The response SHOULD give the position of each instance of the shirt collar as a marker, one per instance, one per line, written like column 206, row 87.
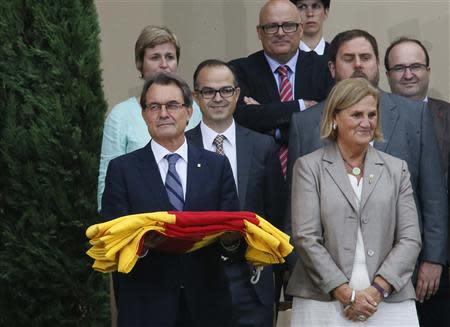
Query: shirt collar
column 209, row 134
column 275, row 64
column 319, row 49
column 160, row 152
column 425, row 99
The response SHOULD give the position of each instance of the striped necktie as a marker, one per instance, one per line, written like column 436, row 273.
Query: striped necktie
column 285, row 85
column 285, row 95
column 173, row 184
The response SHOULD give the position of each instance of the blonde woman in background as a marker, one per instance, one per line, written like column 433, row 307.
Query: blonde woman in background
column 157, row 49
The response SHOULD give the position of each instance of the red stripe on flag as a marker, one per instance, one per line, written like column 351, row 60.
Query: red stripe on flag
column 196, row 218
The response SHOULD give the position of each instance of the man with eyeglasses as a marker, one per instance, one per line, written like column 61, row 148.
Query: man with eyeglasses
column 257, row 174
column 170, row 174
column 407, row 64
column 408, row 70
column 277, row 81
column 407, row 128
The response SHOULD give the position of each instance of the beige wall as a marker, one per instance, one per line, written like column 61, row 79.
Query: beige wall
column 226, row 29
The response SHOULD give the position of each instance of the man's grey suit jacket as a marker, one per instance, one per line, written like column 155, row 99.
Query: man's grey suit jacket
column 440, row 110
column 408, row 133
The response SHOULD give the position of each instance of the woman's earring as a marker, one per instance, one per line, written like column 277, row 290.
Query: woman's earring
column 334, row 126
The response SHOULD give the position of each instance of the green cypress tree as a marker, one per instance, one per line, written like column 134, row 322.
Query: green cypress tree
column 52, row 108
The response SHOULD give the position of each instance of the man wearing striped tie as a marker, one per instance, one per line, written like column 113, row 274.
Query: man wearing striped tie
column 257, row 174
column 170, row 174
column 277, row 81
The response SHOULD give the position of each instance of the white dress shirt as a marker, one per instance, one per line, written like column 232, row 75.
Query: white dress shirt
column 159, row 152
column 229, row 144
column 319, row 49
column 181, row 166
column 292, row 63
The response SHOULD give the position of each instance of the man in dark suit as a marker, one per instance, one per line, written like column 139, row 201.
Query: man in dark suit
column 260, row 106
column 408, row 71
column 169, row 174
column 278, row 80
column 408, row 135
column 257, row 174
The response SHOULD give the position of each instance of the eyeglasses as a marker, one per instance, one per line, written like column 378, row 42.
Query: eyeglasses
column 314, row 7
column 209, row 93
column 287, row 27
column 413, row 68
column 171, row 106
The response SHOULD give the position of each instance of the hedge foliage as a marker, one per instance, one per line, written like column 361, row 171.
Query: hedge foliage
column 52, row 108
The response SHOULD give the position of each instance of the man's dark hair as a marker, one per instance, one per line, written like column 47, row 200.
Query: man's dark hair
column 325, row 3
column 401, row 40
column 165, row 78
column 349, row 35
column 213, row 63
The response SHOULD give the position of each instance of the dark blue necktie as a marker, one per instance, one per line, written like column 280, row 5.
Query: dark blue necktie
column 173, row 183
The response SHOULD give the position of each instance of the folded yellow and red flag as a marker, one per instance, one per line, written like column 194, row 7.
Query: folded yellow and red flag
column 116, row 244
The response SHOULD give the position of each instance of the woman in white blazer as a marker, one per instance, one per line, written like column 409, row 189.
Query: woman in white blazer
column 354, row 222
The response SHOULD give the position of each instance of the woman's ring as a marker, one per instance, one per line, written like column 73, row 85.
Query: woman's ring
column 361, row 317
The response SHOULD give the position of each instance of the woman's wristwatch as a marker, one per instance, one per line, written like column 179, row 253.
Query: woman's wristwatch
column 381, row 290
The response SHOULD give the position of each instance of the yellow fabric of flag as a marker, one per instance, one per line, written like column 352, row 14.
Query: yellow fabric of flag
column 116, row 244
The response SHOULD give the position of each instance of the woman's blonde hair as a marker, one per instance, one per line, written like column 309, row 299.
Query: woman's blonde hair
column 150, row 37
column 345, row 94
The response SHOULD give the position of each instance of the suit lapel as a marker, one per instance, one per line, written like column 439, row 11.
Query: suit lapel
column 195, row 168
column 303, row 68
column 389, row 117
column 373, row 169
column 436, row 108
column 268, row 79
column 195, row 136
column 338, row 173
column 149, row 170
column 440, row 120
column 244, row 150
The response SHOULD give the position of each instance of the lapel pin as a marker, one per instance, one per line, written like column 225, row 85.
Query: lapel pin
column 199, row 165
column 370, row 178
